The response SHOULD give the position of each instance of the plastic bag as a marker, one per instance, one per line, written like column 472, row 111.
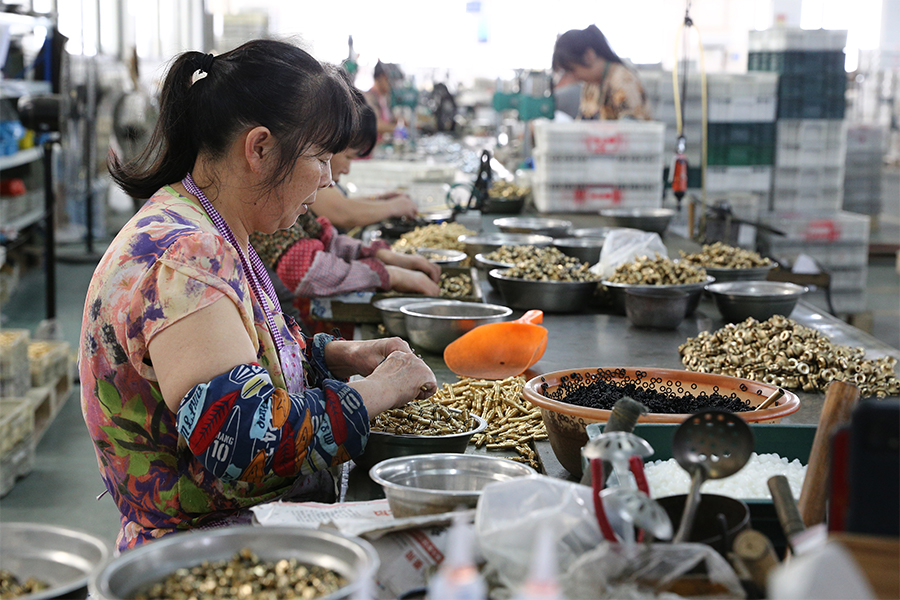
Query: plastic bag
column 624, row 245
column 511, row 514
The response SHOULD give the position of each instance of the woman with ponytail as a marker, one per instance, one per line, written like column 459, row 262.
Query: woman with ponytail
column 611, row 90
column 201, row 397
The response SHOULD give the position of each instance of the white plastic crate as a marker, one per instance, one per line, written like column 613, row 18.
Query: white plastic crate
column 48, row 361
column 598, row 169
column 810, row 156
column 744, row 205
column 818, row 200
column 591, row 138
column 755, row 179
column 16, row 422
column 743, row 109
column 552, row 197
column 779, row 39
column 829, row 254
column 373, row 175
column 839, row 226
column 848, row 278
column 17, row 462
column 807, row 178
column 13, row 351
column 799, row 133
column 865, row 137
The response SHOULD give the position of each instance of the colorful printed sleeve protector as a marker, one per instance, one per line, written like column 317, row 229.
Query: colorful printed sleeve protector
column 167, row 263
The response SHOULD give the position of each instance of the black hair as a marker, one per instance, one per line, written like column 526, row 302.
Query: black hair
column 269, row 83
column 366, row 135
column 571, row 46
column 379, row 70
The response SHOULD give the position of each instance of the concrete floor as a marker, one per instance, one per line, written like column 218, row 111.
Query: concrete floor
column 63, row 487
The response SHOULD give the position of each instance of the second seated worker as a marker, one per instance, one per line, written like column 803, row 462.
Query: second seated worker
column 612, row 90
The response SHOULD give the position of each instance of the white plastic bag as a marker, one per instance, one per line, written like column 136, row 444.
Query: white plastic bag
column 623, row 246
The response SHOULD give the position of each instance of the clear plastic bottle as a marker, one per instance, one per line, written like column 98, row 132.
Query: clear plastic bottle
column 458, row 577
column 542, row 582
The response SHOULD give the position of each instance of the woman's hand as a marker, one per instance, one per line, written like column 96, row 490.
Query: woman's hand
column 412, row 262
column 411, row 282
column 400, row 205
column 400, row 378
column 345, row 357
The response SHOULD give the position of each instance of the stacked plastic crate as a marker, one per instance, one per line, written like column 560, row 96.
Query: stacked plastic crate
column 810, row 157
column 741, row 110
column 862, row 177
column 586, row 166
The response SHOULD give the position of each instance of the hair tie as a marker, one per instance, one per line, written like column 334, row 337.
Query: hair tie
column 204, row 68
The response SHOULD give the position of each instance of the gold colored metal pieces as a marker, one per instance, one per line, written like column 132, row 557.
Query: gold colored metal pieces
column 723, row 256
column 657, row 271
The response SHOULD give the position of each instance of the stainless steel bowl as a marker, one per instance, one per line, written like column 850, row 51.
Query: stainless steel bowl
column 486, row 243
column 63, row 558
column 351, row 557
column 549, row 296
column 382, row 446
column 437, row 483
column 738, row 300
column 433, row 324
column 660, row 309
column 443, row 257
column 487, row 265
column 592, row 232
column 534, row 225
column 694, row 291
column 394, row 320
column 749, row 274
column 585, row 249
column 646, row 219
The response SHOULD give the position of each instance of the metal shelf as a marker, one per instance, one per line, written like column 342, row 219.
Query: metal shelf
column 23, row 221
column 22, row 157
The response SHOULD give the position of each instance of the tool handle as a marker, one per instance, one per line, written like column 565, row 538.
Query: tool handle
column 757, row 554
column 840, row 399
column 785, row 506
column 535, row 317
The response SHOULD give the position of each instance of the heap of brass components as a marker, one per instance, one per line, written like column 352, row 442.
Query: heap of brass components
column 723, row 256
column 456, row 286
column 657, row 271
column 549, row 264
column 245, row 576
column 440, row 235
column 512, row 423
column 780, row 351
column 424, row 417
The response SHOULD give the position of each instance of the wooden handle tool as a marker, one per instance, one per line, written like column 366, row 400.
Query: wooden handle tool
column 840, row 399
column 757, row 554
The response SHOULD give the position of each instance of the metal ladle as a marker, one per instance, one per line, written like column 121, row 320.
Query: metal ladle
column 711, row 444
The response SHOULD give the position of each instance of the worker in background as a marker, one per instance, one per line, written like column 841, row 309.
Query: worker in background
column 379, row 98
column 567, row 94
column 612, row 90
column 345, row 212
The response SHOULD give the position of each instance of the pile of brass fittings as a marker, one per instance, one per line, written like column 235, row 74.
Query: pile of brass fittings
column 512, row 424
column 549, row 264
column 245, row 576
column 456, row 286
column 511, row 255
column 507, row 190
column 440, row 235
column 782, row 352
column 657, row 271
column 723, row 256
column 11, row 587
column 424, row 417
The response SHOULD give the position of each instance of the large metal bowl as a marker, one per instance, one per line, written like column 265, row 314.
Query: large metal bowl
column 489, row 265
column 694, row 291
column 350, row 557
column 534, row 225
column 567, row 423
column 382, row 445
column 61, row 557
column 442, row 256
column 437, row 483
column 646, row 219
column 487, row 243
column 659, row 309
column 739, row 300
column 549, row 296
column 585, row 249
column 750, row 274
column 394, row 320
column 592, row 232
column 433, row 324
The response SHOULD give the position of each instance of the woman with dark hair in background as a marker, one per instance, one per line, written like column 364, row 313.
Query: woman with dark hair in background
column 612, row 90
column 201, row 397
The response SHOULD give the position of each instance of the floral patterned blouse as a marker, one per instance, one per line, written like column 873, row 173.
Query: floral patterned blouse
column 619, row 95
column 166, row 263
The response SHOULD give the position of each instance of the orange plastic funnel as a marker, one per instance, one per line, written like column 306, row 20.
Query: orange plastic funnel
column 498, row 350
